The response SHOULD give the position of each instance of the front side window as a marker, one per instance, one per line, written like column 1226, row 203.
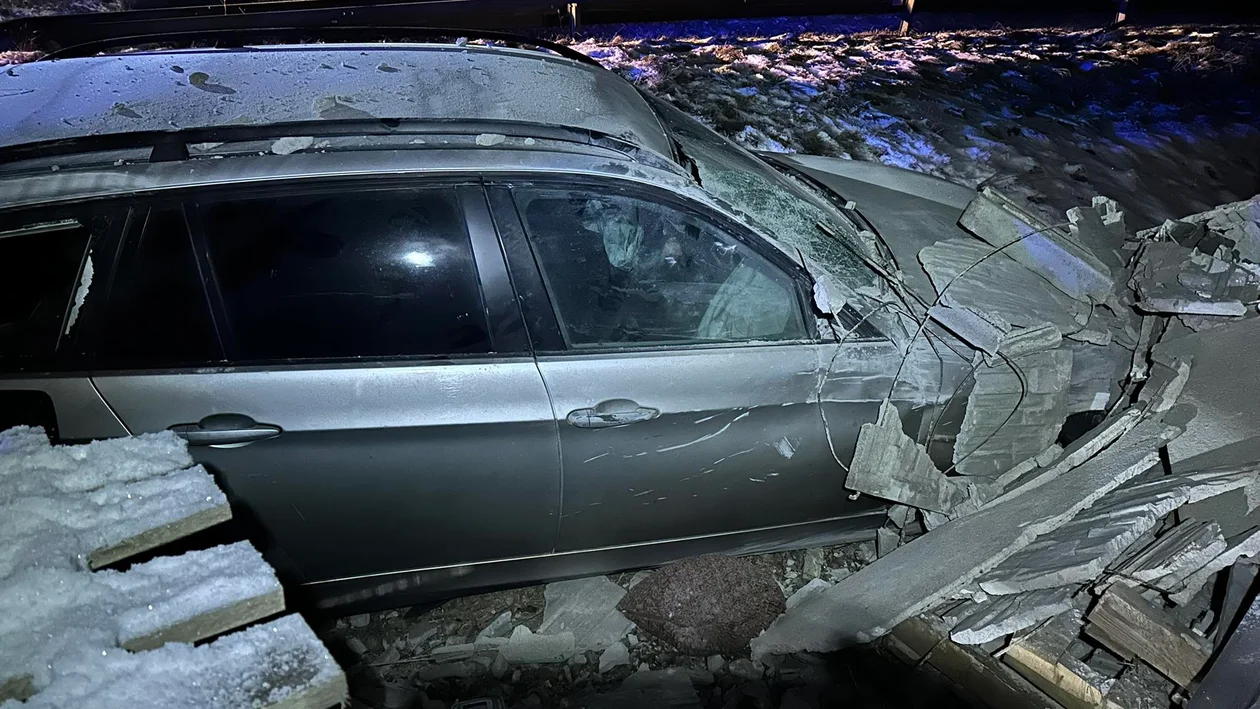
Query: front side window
column 625, row 271
column 42, row 266
column 781, row 207
column 372, row 274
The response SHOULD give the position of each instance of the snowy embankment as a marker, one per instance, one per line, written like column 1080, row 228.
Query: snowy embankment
column 74, row 636
column 1162, row 119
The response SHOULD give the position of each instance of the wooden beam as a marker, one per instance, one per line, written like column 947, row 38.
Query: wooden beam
column 1071, row 689
column 1131, row 626
column 1039, row 658
column 978, row 673
column 18, row 688
column 158, row 536
column 213, row 623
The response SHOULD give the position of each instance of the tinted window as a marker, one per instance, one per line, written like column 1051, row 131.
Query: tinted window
column 622, row 270
column 158, row 312
column 373, row 274
column 40, row 267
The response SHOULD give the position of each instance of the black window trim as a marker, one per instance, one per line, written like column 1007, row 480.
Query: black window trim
column 553, row 342
column 529, row 288
column 507, row 332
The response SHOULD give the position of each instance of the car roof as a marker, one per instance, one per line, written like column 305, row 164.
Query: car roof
column 208, row 88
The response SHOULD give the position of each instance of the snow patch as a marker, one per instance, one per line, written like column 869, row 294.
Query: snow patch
column 80, row 294
column 291, row 144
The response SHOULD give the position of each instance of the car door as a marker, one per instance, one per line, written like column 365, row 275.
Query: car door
column 355, row 371
column 683, row 366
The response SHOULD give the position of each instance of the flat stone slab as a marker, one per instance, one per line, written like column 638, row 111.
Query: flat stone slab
column 588, row 609
column 917, row 576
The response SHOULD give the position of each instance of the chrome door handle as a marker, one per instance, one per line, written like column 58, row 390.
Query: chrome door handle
column 225, row 430
column 615, row 412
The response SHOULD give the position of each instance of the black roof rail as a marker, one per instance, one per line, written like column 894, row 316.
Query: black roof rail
column 173, row 144
column 243, row 36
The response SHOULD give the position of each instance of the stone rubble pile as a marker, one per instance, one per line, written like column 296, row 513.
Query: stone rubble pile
column 1091, row 564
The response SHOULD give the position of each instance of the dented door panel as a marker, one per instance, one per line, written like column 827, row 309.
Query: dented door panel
column 739, row 442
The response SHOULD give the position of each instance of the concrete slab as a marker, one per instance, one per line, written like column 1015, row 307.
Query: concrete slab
column 1050, row 253
column 588, row 609
column 1000, row 286
column 1079, row 551
column 919, row 575
column 1014, row 411
column 999, row 617
column 889, row 465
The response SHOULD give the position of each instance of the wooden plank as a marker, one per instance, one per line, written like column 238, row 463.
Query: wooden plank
column 1062, row 684
column 1128, row 624
column 329, row 694
column 981, row 675
column 278, row 665
column 19, row 688
column 158, row 536
column 1038, row 657
column 213, row 623
column 167, row 599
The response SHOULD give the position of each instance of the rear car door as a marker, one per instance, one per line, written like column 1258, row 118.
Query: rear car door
column 682, row 362
column 355, row 370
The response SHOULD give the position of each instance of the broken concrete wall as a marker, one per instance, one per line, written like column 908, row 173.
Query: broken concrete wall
column 1081, row 550
column 1000, row 286
column 1015, row 410
column 889, row 465
column 1238, row 222
column 872, row 601
column 1097, row 374
column 1048, row 252
column 1171, row 279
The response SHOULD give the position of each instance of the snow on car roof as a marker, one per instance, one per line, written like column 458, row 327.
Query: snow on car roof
column 207, row 88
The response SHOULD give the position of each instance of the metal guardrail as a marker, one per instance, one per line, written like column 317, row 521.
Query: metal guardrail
column 189, row 17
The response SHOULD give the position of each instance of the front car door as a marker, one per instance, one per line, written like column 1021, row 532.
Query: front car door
column 686, row 372
column 355, row 370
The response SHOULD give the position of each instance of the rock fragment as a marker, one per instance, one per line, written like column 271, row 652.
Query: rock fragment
column 707, row 604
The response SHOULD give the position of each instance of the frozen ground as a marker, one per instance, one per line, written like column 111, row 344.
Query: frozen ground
column 1163, row 119
column 412, row 657
column 10, row 9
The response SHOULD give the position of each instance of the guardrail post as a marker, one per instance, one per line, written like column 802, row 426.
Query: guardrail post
column 906, row 16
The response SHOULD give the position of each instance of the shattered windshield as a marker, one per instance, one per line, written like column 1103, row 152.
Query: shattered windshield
column 785, row 210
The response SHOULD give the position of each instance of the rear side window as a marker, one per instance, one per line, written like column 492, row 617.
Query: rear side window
column 373, row 274
column 42, row 266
